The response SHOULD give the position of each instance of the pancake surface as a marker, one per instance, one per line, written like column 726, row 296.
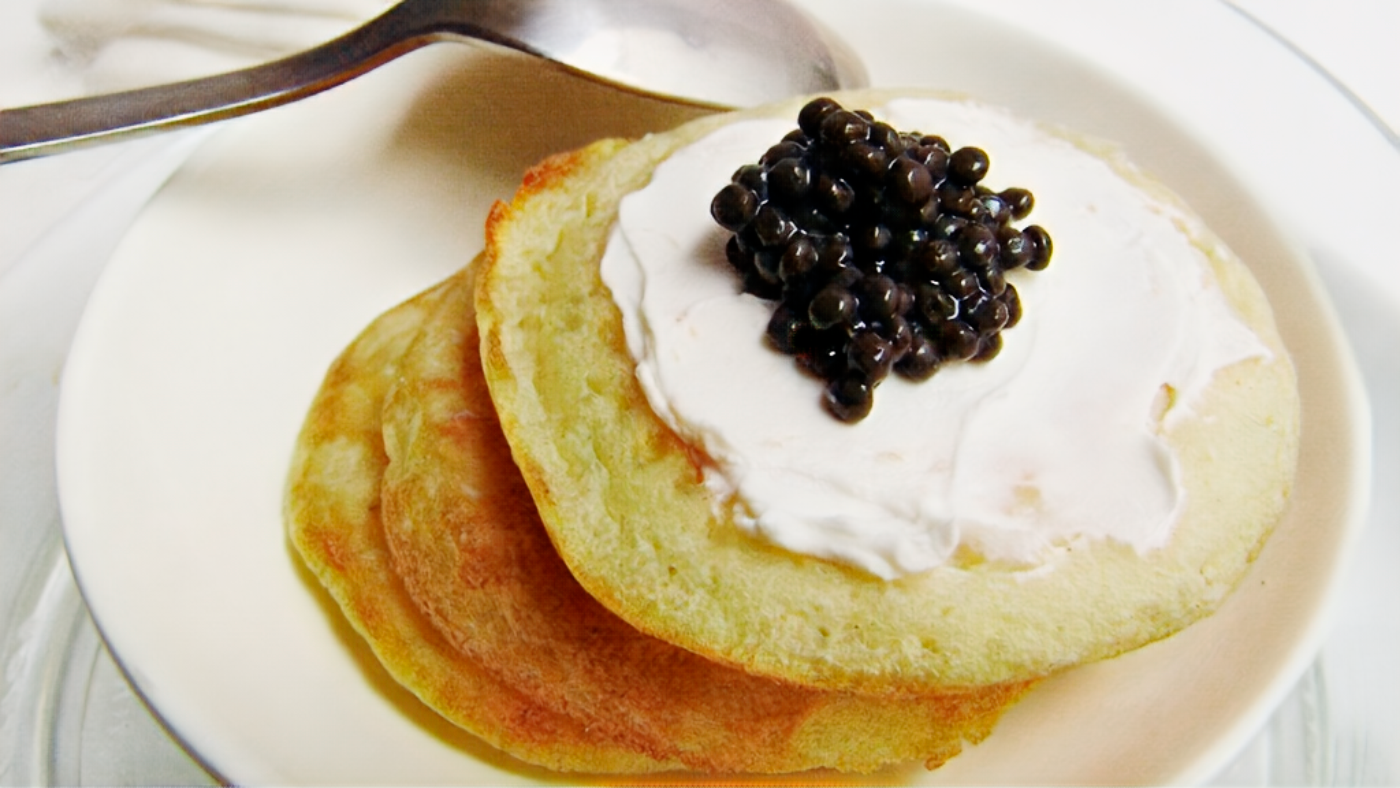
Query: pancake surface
column 468, row 543
column 332, row 515
column 622, row 498
column 520, row 655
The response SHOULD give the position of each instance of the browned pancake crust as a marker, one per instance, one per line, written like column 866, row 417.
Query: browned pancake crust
column 468, row 542
column 333, row 521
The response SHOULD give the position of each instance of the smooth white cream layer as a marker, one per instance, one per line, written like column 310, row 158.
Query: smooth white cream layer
column 1057, row 439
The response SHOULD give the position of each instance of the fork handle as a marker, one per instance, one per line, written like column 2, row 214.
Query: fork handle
column 45, row 129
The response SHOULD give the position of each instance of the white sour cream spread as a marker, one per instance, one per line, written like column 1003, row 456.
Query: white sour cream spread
column 1057, row 439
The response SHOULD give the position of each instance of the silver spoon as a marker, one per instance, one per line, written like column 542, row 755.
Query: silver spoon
column 715, row 53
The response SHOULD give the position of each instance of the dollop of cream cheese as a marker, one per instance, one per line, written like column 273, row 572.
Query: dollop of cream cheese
column 1059, row 438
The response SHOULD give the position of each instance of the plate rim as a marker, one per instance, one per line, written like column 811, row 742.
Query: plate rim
column 1303, row 656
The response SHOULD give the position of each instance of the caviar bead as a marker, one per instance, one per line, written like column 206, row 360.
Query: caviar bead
column 910, row 181
column 1019, row 201
column 978, row 245
column 904, row 299
column 937, row 258
column 874, row 238
column 850, row 397
column 766, row 263
column 738, row 256
column 871, row 354
column 789, row 181
column 958, row 340
column 785, row 329
column 883, row 250
column 753, row 177
column 865, row 160
column 995, row 210
column 1040, row 247
column 848, row 277
column 833, row 195
column 843, row 127
column 921, row 360
column 878, row 298
column 907, row 242
column 968, row 165
column 787, row 149
column 947, row 225
column 834, row 254
column 1015, row 247
column 933, row 158
column 976, row 211
column 833, row 305
column 935, row 305
column 900, row 335
column 734, row 207
column 986, row 314
column 811, row 221
column 771, row 227
column 960, row 283
column 884, row 135
column 810, row 118
column 988, row 347
column 798, row 259
column 767, row 288
column 1012, row 299
column 956, row 198
column 929, row 213
column 992, row 280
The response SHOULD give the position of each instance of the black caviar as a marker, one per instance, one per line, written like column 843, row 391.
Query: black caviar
column 883, row 250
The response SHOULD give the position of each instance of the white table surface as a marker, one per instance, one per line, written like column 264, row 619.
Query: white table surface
column 42, row 293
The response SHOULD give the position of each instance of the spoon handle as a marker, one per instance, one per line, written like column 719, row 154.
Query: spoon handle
column 45, row 129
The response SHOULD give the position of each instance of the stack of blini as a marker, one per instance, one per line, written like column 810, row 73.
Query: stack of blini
column 485, row 490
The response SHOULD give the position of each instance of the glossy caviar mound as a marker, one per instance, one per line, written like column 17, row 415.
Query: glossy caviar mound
column 625, row 504
column 884, row 250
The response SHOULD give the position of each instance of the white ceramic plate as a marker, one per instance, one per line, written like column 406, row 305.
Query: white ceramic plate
column 286, row 234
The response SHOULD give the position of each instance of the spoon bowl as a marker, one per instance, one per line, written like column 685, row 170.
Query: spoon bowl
column 719, row 54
